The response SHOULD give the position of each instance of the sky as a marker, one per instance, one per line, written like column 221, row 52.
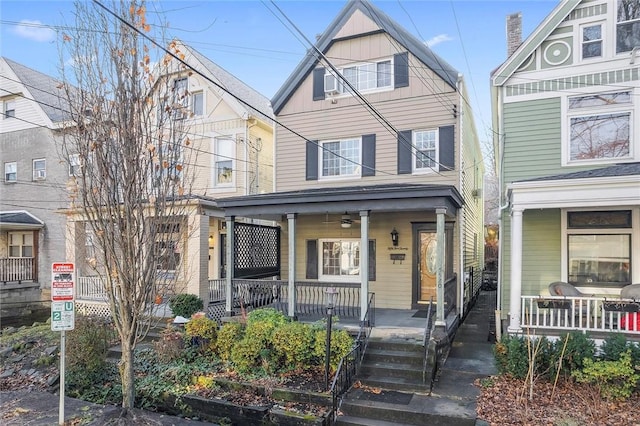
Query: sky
column 250, row 39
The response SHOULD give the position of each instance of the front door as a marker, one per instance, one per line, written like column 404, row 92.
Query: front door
column 427, row 255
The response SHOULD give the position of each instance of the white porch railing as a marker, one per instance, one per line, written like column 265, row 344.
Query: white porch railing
column 597, row 314
column 91, row 288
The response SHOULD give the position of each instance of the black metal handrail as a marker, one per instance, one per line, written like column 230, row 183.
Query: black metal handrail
column 349, row 365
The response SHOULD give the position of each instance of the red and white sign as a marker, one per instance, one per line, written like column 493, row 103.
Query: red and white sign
column 62, row 282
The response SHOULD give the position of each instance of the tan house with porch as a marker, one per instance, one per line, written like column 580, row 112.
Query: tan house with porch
column 378, row 173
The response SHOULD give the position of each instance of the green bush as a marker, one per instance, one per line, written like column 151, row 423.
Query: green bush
column 292, row 343
column 578, row 348
column 185, row 305
column 246, row 355
column 613, row 346
column 615, row 380
column 512, row 357
column 261, row 323
column 341, row 344
column 228, row 335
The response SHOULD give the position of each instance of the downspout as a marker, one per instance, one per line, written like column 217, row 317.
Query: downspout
column 504, row 204
column 461, row 221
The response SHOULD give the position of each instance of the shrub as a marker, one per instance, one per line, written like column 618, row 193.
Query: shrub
column 185, row 305
column 512, row 357
column 203, row 332
column 615, row 380
column 228, row 335
column 246, row 355
column 615, row 345
column 571, row 357
column 341, row 344
column 292, row 343
column 170, row 345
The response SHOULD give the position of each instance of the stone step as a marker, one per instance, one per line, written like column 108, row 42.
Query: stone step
column 383, row 370
column 401, row 345
column 361, row 421
column 393, row 357
column 405, row 384
column 406, row 408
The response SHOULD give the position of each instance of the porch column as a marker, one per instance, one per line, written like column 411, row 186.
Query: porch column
column 516, row 271
column 230, row 263
column 440, row 320
column 364, row 265
column 291, row 224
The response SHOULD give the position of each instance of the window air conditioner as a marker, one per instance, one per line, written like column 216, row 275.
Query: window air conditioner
column 39, row 174
column 330, row 84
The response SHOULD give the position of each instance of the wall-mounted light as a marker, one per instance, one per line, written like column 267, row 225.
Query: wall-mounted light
column 394, row 237
column 211, row 242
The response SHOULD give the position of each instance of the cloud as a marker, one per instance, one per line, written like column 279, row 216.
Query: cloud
column 437, row 40
column 34, row 30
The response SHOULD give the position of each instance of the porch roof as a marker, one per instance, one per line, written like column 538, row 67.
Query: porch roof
column 615, row 185
column 19, row 220
column 374, row 198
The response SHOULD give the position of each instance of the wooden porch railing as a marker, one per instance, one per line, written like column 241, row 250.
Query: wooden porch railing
column 18, row 269
column 597, row 314
column 91, row 288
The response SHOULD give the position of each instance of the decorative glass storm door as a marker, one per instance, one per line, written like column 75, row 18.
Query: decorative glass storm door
column 427, row 256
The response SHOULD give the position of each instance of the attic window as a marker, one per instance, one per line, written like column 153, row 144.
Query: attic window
column 369, row 76
column 592, row 41
column 628, row 25
column 9, row 109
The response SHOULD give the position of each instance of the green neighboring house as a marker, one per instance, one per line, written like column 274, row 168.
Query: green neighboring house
column 567, row 137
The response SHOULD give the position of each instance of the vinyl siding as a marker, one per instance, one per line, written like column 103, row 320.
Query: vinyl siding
column 541, row 245
column 532, row 131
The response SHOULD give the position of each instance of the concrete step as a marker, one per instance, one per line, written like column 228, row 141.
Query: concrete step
column 407, row 409
column 386, row 370
column 404, row 384
column 401, row 345
column 361, row 421
column 391, row 356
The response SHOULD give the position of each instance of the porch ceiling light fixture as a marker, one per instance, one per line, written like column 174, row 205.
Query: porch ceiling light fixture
column 394, row 237
column 345, row 221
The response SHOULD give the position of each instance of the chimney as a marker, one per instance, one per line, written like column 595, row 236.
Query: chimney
column 514, row 32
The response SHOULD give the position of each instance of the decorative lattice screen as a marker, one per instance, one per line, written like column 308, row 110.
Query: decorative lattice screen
column 257, row 251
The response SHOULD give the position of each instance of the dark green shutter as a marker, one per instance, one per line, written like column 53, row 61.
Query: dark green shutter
column 372, row 260
column 404, row 152
column 369, row 155
column 312, row 259
column 318, row 84
column 312, row 160
column 447, row 148
column 401, row 70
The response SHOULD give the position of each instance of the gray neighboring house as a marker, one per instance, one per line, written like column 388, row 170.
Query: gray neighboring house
column 32, row 232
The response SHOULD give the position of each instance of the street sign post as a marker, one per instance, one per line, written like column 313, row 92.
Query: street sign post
column 63, row 314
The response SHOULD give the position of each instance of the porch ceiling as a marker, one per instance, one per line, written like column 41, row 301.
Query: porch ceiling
column 15, row 220
column 377, row 198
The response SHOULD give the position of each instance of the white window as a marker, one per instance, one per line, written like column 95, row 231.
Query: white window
column 224, row 161
column 591, row 41
column 599, row 127
column 9, row 109
column 197, row 104
column 363, row 77
column 74, row 165
column 341, row 158
column 39, row 169
column 339, row 260
column 628, row 25
column 425, row 145
column 167, row 246
column 11, row 172
column 170, row 161
column 599, row 248
column 180, row 98
column 20, row 244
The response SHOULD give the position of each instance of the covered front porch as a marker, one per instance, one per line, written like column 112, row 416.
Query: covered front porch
column 396, row 241
column 581, row 228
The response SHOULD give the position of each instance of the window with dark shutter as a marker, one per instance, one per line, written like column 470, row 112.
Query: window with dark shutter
column 447, row 148
column 312, row 160
column 368, row 155
column 404, row 152
column 318, row 84
column 401, row 70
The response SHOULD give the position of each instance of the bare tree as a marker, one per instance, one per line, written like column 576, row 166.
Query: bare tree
column 129, row 141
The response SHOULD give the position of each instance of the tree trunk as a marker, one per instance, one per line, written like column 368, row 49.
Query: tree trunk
column 127, row 375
